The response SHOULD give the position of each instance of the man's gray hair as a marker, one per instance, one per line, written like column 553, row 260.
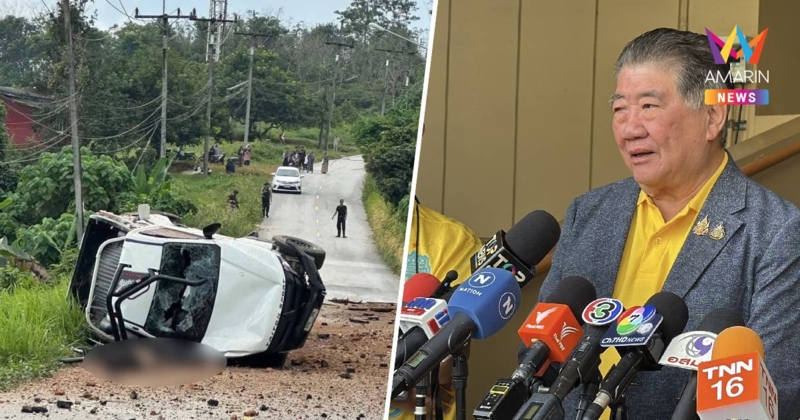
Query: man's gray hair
column 687, row 54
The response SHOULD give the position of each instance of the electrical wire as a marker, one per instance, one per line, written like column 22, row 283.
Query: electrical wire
column 108, row 152
column 51, row 143
column 133, row 129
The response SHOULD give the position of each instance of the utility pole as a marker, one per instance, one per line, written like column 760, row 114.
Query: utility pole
column 73, row 117
column 251, row 51
column 339, row 46
column 164, row 36
column 386, row 75
column 212, row 57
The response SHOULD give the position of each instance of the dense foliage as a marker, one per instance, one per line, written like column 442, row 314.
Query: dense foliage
column 119, row 83
column 119, row 74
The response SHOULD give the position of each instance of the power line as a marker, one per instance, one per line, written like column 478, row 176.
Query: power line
column 164, row 39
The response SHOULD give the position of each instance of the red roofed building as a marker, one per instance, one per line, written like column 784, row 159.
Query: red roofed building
column 19, row 114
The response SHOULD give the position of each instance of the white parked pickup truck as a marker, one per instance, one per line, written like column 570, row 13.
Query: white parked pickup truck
column 147, row 275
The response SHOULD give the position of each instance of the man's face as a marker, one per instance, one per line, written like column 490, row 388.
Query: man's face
column 662, row 141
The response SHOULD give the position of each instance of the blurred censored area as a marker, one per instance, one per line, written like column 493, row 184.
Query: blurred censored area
column 154, row 362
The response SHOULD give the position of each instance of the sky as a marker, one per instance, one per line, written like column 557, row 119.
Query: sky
column 310, row 12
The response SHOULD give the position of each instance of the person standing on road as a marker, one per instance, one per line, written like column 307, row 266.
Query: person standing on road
column 341, row 210
column 311, row 162
column 266, row 198
column 325, row 162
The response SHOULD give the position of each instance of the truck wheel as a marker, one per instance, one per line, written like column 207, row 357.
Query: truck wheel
column 313, row 250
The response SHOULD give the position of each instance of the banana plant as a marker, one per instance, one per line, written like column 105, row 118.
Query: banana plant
column 10, row 252
column 5, row 203
column 156, row 182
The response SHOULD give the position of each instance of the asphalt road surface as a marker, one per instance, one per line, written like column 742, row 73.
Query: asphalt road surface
column 353, row 269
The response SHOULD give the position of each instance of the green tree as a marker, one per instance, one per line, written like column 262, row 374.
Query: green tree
column 46, row 188
column 277, row 98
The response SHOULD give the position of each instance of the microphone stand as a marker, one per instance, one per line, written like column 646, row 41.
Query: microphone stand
column 460, row 373
column 619, row 411
column 421, row 410
column 590, row 389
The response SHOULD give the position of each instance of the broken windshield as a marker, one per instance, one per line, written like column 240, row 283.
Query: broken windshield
column 179, row 310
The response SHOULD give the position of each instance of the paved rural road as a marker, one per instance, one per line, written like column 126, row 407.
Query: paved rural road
column 340, row 373
column 353, row 269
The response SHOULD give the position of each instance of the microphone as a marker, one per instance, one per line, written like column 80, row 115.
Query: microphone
column 640, row 336
column 425, row 313
column 411, row 339
column 420, row 319
column 419, row 285
column 550, row 332
column 519, row 250
column 479, row 308
column 581, row 366
column 446, row 286
column 735, row 383
column 688, row 350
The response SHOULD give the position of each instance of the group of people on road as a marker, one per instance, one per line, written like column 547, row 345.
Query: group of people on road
column 300, row 159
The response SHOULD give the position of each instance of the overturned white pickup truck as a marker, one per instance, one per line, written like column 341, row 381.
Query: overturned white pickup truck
column 147, row 275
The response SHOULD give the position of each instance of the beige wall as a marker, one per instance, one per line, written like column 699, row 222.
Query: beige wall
column 517, row 115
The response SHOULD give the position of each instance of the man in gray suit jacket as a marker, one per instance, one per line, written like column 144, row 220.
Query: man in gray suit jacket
column 674, row 146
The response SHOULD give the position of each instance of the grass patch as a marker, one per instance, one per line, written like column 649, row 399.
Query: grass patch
column 38, row 324
column 387, row 227
column 210, row 193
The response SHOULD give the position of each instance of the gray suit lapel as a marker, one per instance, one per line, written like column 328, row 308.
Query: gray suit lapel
column 610, row 255
column 725, row 199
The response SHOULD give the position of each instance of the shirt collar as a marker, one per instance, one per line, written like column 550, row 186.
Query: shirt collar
column 699, row 199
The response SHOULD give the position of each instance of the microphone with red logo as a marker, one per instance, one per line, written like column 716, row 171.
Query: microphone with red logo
column 550, row 333
column 640, row 336
column 479, row 308
column 735, row 383
column 419, row 321
column 581, row 367
column 688, row 350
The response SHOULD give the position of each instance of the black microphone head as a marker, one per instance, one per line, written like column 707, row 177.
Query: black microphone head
column 575, row 292
column 720, row 319
column 451, row 276
column 533, row 237
column 675, row 313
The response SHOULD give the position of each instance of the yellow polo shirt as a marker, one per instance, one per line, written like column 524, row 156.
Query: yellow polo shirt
column 650, row 250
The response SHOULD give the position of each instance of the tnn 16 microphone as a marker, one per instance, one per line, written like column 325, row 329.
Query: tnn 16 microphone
column 688, row 350
column 519, row 250
column 479, row 307
column 549, row 333
column 640, row 336
column 736, row 383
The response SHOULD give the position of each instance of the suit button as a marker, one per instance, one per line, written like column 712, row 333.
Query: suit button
column 658, row 240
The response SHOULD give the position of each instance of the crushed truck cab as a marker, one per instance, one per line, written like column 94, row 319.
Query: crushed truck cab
column 151, row 276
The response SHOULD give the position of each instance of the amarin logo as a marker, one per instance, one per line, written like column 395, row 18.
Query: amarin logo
column 481, row 279
column 750, row 53
column 508, row 303
column 542, row 315
column 722, row 51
